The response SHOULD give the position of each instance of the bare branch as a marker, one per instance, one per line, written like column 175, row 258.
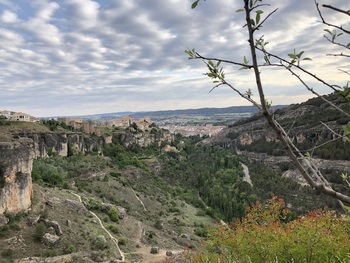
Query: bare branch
column 328, row 24
column 263, row 21
column 346, row 72
column 198, row 56
column 337, row 9
column 336, row 43
column 339, row 55
column 317, row 94
column 300, row 68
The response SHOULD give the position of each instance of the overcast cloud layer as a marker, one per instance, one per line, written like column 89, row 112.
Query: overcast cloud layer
column 77, row 57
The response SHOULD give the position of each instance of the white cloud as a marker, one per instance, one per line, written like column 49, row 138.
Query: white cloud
column 87, row 56
column 8, row 17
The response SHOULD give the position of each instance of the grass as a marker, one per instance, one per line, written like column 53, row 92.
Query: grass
column 15, row 127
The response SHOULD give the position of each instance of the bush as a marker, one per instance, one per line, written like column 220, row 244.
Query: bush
column 114, row 229
column 8, row 253
column 69, row 248
column 201, row 231
column 4, row 230
column 122, row 241
column 113, row 214
column 39, row 232
column 95, row 205
column 264, row 236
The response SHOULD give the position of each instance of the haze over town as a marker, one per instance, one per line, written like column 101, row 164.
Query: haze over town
column 79, row 57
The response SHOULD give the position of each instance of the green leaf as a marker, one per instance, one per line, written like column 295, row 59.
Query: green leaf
column 328, row 31
column 300, row 54
column 257, row 18
column 252, row 22
column 307, row 59
column 239, row 10
column 194, row 5
column 245, row 60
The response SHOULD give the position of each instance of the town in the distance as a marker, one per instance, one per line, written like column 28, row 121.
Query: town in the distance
column 188, row 124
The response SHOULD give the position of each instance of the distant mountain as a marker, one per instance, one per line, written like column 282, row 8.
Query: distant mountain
column 165, row 113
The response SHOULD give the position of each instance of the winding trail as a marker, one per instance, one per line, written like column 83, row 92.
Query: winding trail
column 102, row 226
column 144, row 208
column 246, row 177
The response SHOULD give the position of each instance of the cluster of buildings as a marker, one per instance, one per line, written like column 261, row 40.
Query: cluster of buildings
column 80, row 125
column 127, row 121
column 18, row 116
column 92, row 128
column 191, row 130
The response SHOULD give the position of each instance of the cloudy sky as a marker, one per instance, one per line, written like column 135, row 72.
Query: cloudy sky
column 79, row 57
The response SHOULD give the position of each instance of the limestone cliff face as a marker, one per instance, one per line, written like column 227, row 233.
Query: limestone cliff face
column 17, row 156
column 16, row 160
column 142, row 139
column 46, row 144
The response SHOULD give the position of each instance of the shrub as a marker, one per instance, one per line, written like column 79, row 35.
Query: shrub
column 8, row 253
column 113, row 214
column 122, row 241
column 39, row 232
column 95, row 205
column 265, row 236
column 114, row 229
column 201, row 231
column 69, row 248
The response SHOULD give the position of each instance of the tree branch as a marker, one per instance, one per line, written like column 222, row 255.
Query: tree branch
column 317, row 94
column 328, row 24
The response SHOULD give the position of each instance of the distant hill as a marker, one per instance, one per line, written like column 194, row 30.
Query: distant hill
column 164, row 113
column 309, row 124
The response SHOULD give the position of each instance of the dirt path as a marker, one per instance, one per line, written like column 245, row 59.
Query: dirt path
column 246, row 177
column 144, row 208
column 115, row 241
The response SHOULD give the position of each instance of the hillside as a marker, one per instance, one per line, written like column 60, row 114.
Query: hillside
column 84, row 207
column 119, row 196
column 310, row 125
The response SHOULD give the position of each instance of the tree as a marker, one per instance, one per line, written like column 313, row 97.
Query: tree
column 258, row 52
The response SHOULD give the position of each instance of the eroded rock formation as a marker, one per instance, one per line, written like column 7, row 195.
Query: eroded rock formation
column 16, row 160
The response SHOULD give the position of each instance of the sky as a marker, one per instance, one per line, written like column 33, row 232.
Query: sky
column 81, row 57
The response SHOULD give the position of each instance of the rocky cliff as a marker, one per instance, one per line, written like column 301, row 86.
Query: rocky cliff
column 16, row 159
column 19, row 148
column 18, row 153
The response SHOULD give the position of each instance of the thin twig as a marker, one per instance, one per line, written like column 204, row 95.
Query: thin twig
column 317, row 94
column 328, row 24
column 198, row 56
column 263, row 21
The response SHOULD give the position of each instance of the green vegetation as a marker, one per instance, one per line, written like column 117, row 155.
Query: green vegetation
column 212, row 176
column 113, row 214
column 40, row 230
column 266, row 234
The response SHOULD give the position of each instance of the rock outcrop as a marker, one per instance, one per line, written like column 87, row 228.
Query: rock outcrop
column 142, row 139
column 16, row 161
column 22, row 147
